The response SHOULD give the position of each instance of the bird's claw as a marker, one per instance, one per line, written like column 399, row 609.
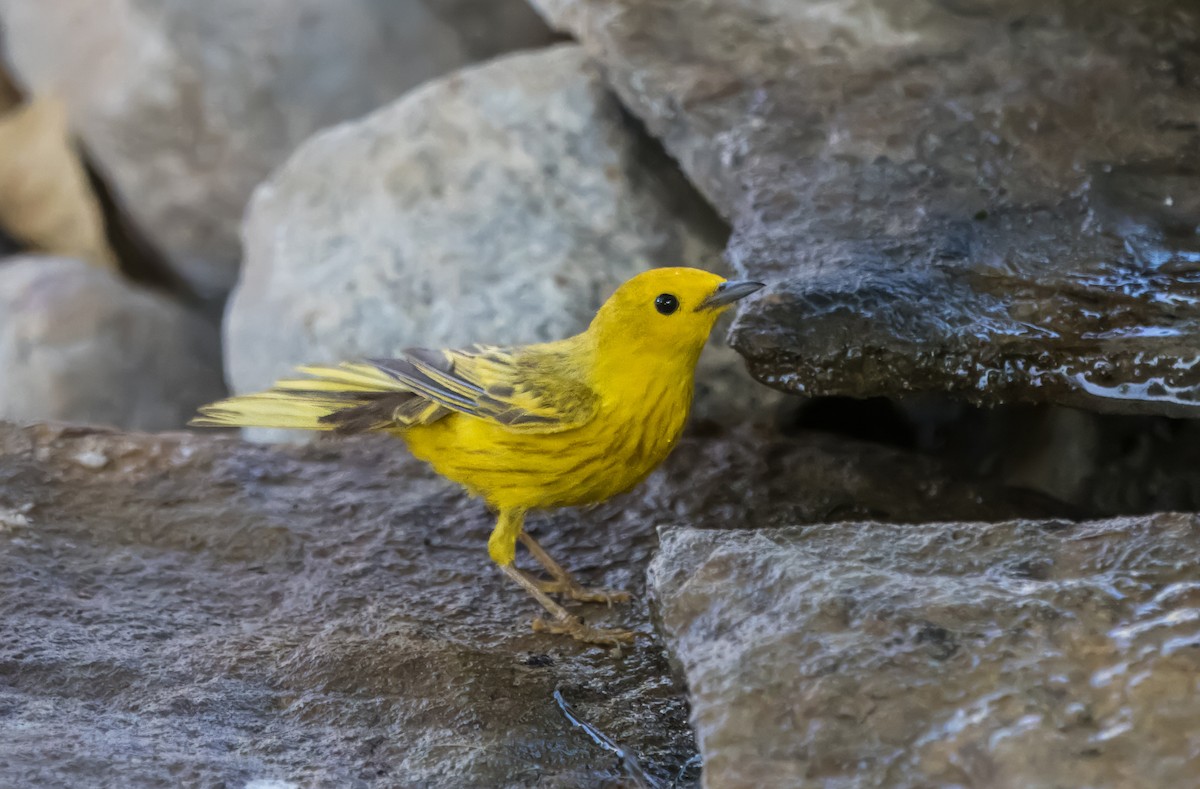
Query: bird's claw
column 583, row 594
column 574, row 627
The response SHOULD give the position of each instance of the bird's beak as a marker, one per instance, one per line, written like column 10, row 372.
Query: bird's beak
column 728, row 292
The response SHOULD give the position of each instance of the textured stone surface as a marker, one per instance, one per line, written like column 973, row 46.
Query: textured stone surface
column 190, row 610
column 501, row 204
column 80, row 344
column 993, row 198
column 1033, row 654
column 186, row 106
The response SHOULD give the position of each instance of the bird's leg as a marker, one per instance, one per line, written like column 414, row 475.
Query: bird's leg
column 566, row 585
column 502, row 547
column 563, row 621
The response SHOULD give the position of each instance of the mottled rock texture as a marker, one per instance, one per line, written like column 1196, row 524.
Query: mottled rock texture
column 186, row 106
column 993, row 198
column 1029, row 653
column 190, row 610
column 80, row 344
column 501, row 204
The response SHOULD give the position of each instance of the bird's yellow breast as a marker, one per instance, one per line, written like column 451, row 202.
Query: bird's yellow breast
column 632, row 432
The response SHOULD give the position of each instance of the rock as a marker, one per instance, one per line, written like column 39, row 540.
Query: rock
column 991, row 198
column 501, row 204
column 326, row 615
column 186, row 107
column 1028, row 653
column 46, row 200
column 80, row 344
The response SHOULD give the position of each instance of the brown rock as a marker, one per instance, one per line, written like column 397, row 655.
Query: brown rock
column 188, row 609
column 46, row 201
column 992, row 198
column 1028, row 653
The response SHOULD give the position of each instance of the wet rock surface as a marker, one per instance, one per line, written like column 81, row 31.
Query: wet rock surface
column 1038, row 654
column 991, row 198
column 501, row 205
column 80, row 344
column 188, row 609
column 187, row 106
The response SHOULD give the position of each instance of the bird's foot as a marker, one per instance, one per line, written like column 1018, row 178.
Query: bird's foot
column 573, row 590
column 573, row 626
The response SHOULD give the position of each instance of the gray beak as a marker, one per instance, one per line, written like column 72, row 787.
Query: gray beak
column 728, row 292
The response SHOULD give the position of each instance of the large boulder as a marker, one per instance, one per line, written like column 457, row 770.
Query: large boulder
column 989, row 197
column 501, row 204
column 328, row 616
column 80, row 344
column 1031, row 653
column 187, row 106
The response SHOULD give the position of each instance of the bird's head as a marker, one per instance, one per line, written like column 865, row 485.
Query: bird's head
column 666, row 311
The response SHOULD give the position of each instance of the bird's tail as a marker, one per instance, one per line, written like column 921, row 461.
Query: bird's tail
column 349, row 398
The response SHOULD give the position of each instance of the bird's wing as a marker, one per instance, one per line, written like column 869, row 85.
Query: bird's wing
column 524, row 390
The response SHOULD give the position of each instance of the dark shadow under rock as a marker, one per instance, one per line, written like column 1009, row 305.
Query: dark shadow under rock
column 8, row 245
column 996, row 199
column 1102, row 464
column 189, row 609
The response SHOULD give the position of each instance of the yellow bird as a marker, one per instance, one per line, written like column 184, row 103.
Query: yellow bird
column 558, row 424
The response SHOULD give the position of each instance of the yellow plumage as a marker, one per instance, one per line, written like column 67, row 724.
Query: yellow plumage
column 299, row 403
column 566, row 423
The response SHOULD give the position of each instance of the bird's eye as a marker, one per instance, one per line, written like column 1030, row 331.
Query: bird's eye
column 666, row 303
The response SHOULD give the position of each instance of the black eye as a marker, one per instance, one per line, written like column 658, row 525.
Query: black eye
column 666, row 303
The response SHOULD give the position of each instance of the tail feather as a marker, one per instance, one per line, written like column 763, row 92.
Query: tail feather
column 353, row 397
column 269, row 409
column 349, row 377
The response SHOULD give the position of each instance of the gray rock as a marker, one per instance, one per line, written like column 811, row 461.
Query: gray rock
column 189, row 610
column 1029, row 653
column 992, row 198
column 187, row 106
column 501, row 204
column 80, row 344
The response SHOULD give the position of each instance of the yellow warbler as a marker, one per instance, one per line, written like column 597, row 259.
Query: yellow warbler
column 557, row 424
